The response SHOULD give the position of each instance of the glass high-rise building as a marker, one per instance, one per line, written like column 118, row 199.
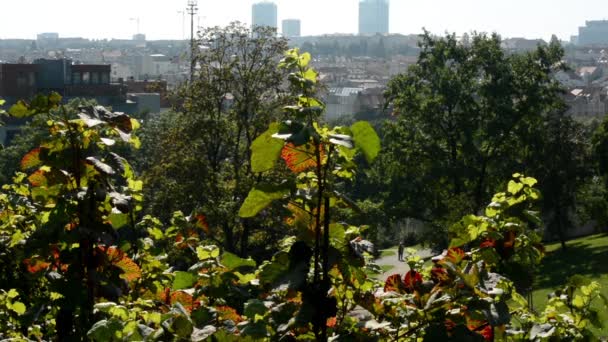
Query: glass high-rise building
column 595, row 32
column 291, row 28
column 373, row 16
column 264, row 14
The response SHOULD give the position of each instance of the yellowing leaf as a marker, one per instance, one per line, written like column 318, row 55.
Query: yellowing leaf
column 18, row 307
column 118, row 258
column 207, row 252
column 301, row 158
column 514, row 187
column 31, row 159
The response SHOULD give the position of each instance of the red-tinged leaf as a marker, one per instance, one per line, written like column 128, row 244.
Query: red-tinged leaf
column 31, row 159
column 331, row 322
column 412, row 280
column 201, row 222
column 439, row 275
column 489, row 243
column 118, row 258
column 455, row 255
column 509, row 240
column 165, row 296
column 301, row 158
column 449, row 325
column 183, row 298
column 227, row 313
column 38, row 178
column 191, row 239
column 394, row 283
column 487, row 332
column 35, row 265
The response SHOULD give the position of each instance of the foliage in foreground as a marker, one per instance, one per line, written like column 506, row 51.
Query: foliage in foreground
column 85, row 269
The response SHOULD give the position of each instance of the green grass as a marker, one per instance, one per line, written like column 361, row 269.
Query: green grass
column 388, row 252
column 586, row 256
column 386, row 268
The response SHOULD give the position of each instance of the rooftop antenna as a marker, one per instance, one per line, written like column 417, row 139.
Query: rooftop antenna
column 192, row 10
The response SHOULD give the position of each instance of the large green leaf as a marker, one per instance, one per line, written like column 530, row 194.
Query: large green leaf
column 184, row 280
column 265, row 150
column 260, row 197
column 104, row 330
column 366, row 140
column 232, row 261
column 19, row 110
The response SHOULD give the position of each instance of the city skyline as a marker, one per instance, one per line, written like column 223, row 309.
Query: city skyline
column 160, row 19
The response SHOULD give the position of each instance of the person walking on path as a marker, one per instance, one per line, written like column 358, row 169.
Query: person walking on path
column 400, row 251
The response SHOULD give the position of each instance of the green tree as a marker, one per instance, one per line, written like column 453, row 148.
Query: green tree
column 464, row 114
column 197, row 159
column 561, row 161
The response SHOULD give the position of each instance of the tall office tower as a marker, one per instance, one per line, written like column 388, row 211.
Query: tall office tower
column 373, row 17
column 264, row 14
column 291, row 28
column 595, row 32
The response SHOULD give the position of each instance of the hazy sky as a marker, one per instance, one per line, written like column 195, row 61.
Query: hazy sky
column 159, row 19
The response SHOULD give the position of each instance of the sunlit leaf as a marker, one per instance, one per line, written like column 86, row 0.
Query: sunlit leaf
column 31, row 159
column 265, row 150
column 100, row 166
column 118, row 258
column 184, row 280
column 366, row 140
column 394, row 283
column 302, row 157
column 259, row 198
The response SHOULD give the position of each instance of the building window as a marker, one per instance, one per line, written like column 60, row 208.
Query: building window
column 21, row 79
column 94, row 78
column 86, row 77
column 105, row 78
column 31, row 79
column 75, row 78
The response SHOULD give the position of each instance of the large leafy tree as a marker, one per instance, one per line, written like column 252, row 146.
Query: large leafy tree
column 198, row 159
column 561, row 161
column 464, row 114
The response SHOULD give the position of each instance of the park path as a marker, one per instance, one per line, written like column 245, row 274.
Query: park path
column 400, row 267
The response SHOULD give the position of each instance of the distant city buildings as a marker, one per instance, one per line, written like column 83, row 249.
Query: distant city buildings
column 264, row 14
column 594, row 32
column 48, row 36
column 373, row 17
column 291, row 28
column 139, row 37
column 91, row 81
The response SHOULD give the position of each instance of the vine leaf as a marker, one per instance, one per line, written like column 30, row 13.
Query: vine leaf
column 260, row 197
column 100, row 166
column 394, row 283
column 366, row 140
column 31, row 159
column 118, row 258
column 302, row 157
column 184, row 280
column 265, row 150
column 412, row 280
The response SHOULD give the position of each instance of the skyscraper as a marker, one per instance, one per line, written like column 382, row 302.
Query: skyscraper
column 595, row 32
column 291, row 28
column 373, row 16
column 264, row 14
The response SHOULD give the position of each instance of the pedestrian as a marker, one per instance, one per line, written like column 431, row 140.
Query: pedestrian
column 400, row 251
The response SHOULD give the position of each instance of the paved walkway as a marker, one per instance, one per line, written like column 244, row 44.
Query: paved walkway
column 400, row 267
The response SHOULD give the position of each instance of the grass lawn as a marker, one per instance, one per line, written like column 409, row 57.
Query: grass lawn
column 386, row 268
column 388, row 252
column 586, row 256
